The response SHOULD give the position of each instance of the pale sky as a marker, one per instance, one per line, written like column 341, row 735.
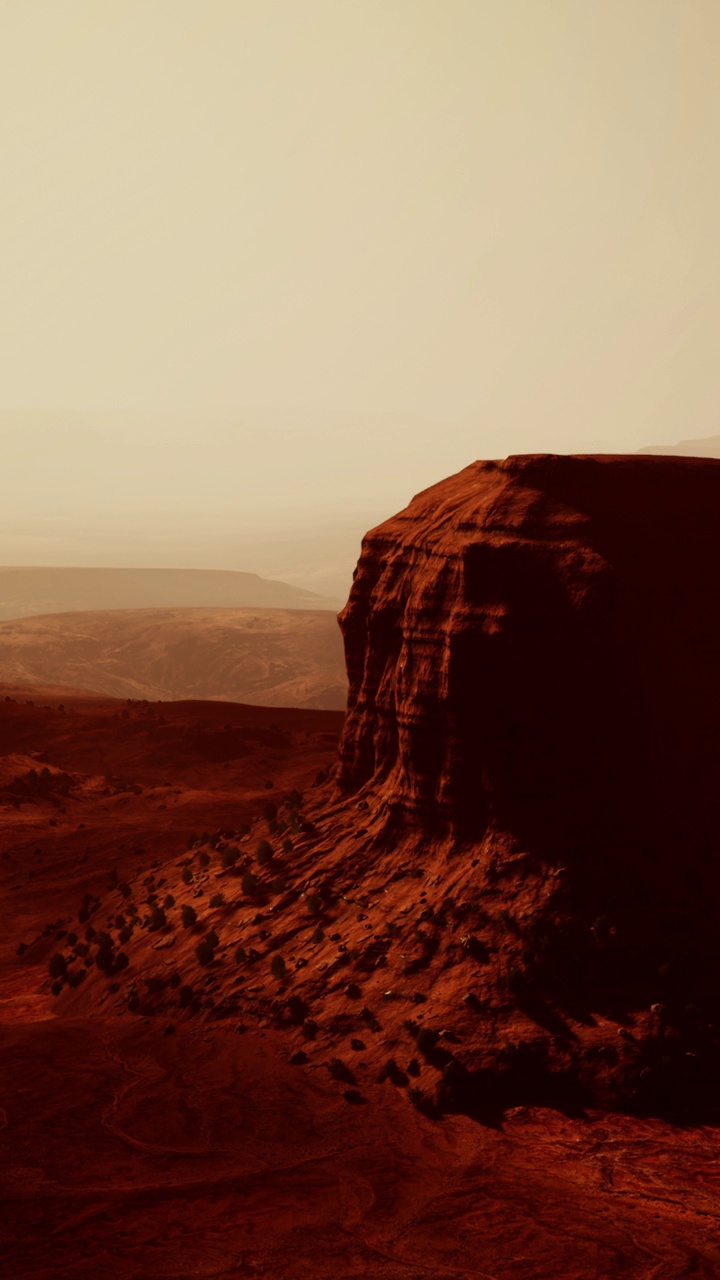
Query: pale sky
column 289, row 258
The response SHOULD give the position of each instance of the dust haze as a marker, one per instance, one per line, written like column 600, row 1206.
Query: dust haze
column 269, row 268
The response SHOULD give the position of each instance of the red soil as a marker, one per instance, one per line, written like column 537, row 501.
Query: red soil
column 410, row 930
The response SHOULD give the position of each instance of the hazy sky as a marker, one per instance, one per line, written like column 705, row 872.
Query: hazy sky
column 493, row 223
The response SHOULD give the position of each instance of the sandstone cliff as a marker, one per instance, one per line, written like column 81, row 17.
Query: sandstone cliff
column 532, row 647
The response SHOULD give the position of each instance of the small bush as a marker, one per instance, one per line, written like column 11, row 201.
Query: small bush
column 426, row 1040
column 57, row 967
column 249, row 884
column 287, row 845
column 228, row 857
column 217, row 900
column 314, row 904
column 188, row 915
column 278, row 967
column 264, row 853
column 169, row 901
column 317, row 935
column 339, row 1070
column 204, row 858
column 158, row 919
column 187, row 876
column 124, row 936
column 204, row 952
column 212, row 938
column 279, row 884
column 125, row 889
column 240, row 955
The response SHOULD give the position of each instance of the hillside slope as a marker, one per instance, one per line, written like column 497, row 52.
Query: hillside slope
column 269, row 657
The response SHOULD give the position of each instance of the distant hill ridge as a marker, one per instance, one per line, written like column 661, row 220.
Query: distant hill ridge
column 27, row 591
column 709, row 447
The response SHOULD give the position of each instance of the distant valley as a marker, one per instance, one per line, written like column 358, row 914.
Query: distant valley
column 269, row 657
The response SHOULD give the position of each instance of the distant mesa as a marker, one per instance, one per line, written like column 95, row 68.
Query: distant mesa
column 29, row 591
column 708, row 447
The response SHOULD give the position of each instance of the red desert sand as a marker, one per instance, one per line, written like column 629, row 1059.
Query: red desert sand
column 441, row 1004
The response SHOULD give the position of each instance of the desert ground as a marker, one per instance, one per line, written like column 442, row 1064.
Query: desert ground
column 222, row 1139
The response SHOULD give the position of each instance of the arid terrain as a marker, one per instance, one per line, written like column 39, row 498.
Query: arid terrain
column 30, row 591
column 267, row 657
column 430, row 990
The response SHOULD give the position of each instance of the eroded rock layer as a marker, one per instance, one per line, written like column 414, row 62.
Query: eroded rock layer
column 532, row 648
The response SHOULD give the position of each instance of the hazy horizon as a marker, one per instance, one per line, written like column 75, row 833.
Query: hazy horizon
column 269, row 268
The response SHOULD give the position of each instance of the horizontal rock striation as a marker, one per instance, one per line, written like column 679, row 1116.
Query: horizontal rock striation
column 532, row 648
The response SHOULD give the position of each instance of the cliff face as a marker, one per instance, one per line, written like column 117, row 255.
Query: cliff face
column 532, row 648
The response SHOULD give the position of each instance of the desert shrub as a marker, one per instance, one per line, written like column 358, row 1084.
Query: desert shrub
column 426, row 1040
column 120, row 922
column 264, row 853
column 169, row 901
column 212, row 937
column 279, row 884
column 217, row 900
column 124, row 936
column 228, row 857
column 314, row 904
column 187, row 876
column 121, row 960
column 240, row 955
column 287, row 845
column 125, row 889
column 339, row 1070
column 278, row 967
column 249, row 884
column 56, row 988
column 57, row 967
column 89, row 933
column 158, row 919
column 317, row 935
column 204, row 859
column 188, row 915
column 420, row 1100
column 204, row 952
column 413, row 1067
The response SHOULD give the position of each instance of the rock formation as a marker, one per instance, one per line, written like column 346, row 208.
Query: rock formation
column 532, row 648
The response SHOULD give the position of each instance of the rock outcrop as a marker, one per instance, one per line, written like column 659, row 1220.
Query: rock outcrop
column 532, row 648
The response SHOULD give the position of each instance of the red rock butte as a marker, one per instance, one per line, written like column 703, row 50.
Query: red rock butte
column 532, row 650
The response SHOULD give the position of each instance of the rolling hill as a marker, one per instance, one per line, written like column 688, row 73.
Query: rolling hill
column 270, row 657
